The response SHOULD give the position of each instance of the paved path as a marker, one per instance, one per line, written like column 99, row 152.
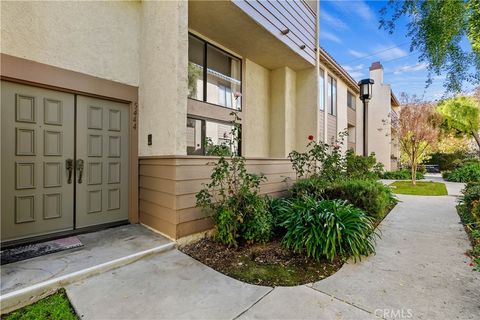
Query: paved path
column 420, row 272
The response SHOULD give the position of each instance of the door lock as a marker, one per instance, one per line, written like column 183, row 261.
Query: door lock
column 69, row 167
column 79, row 166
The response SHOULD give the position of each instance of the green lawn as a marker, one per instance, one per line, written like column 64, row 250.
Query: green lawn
column 56, row 306
column 422, row 188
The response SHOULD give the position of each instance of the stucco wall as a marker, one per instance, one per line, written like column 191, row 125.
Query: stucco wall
column 282, row 111
column 163, row 82
column 307, row 106
column 96, row 38
column 256, row 122
column 379, row 131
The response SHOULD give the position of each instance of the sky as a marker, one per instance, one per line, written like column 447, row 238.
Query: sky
column 349, row 32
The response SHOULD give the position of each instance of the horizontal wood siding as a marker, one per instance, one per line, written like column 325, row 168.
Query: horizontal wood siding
column 331, row 128
column 277, row 16
column 168, row 186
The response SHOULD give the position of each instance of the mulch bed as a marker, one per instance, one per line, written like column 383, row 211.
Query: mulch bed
column 266, row 264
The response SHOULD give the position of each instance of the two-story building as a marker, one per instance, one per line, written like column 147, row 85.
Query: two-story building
column 382, row 121
column 107, row 107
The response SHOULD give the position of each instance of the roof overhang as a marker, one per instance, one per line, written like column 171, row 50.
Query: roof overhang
column 336, row 68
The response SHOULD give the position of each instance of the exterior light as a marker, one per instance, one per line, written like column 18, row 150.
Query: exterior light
column 366, row 86
column 366, row 89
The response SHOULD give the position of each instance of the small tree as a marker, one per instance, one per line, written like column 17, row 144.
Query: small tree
column 461, row 116
column 418, row 131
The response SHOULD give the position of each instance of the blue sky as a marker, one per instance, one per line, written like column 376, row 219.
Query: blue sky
column 349, row 32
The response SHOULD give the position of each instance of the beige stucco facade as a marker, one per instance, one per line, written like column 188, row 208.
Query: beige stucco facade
column 346, row 119
column 145, row 44
column 382, row 108
column 96, row 38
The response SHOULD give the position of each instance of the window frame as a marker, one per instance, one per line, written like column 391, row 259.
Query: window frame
column 204, row 121
column 333, row 107
column 205, row 72
column 322, row 98
column 354, row 99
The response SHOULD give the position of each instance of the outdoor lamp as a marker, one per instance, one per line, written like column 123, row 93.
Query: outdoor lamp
column 365, row 95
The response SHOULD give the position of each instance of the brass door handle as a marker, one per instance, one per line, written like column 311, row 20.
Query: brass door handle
column 69, row 167
column 79, row 166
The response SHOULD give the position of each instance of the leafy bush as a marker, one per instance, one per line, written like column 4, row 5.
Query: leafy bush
column 371, row 196
column 327, row 162
column 402, row 174
column 469, row 172
column 232, row 197
column 312, row 186
column 469, row 212
column 470, row 200
column 446, row 161
column 360, row 167
column 327, row 228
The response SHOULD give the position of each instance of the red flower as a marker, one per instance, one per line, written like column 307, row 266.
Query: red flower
column 310, row 137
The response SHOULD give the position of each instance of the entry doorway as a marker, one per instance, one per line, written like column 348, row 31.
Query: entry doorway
column 64, row 161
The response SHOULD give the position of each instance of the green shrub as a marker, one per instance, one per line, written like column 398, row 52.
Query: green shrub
column 360, row 167
column 470, row 201
column 327, row 162
column 232, row 198
column 371, row 196
column 446, row 161
column 327, row 228
column 312, row 186
column 469, row 172
column 402, row 174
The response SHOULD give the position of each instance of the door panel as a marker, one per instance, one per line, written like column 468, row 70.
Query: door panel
column 37, row 137
column 102, row 145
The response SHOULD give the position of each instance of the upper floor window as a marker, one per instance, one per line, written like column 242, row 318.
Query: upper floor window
column 332, row 96
column 214, row 76
column 351, row 101
column 321, row 89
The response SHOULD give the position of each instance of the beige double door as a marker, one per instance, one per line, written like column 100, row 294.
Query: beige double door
column 64, row 161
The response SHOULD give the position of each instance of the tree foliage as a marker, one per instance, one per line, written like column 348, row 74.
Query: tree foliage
column 436, row 29
column 461, row 116
column 418, row 132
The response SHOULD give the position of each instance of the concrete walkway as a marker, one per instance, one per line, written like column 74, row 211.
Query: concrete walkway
column 420, row 271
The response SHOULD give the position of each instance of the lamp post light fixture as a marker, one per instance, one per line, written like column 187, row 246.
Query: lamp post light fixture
column 365, row 95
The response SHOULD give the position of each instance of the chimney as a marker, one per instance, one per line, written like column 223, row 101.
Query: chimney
column 376, row 72
column 376, row 65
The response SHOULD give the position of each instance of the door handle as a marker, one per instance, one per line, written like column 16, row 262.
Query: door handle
column 69, row 166
column 79, row 166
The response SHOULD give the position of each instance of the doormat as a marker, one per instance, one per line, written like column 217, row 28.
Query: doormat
column 38, row 249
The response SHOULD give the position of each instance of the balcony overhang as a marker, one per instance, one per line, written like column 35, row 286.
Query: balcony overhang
column 226, row 24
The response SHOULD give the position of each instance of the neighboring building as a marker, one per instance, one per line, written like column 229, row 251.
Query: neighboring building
column 382, row 122
column 107, row 106
column 340, row 102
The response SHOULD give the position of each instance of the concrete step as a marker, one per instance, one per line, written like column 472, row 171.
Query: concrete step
column 28, row 281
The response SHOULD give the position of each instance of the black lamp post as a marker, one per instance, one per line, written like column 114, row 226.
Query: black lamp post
column 365, row 95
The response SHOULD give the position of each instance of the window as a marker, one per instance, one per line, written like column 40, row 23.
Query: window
column 222, row 75
column 351, row 101
column 196, row 59
column 205, row 137
column 332, row 96
column 321, row 89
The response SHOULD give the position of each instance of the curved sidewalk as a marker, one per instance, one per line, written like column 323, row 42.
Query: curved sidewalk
column 420, row 271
